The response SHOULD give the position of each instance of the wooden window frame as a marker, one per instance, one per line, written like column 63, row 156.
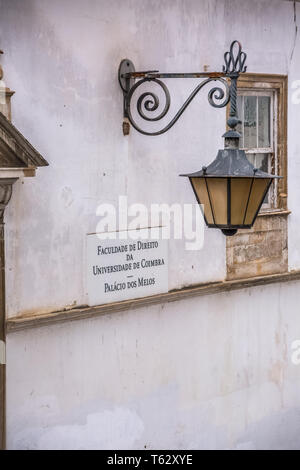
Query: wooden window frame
column 271, row 150
column 278, row 83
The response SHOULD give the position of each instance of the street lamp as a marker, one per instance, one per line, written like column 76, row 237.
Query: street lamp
column 230, row 190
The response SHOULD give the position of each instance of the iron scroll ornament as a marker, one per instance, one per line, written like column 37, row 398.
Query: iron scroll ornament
column 148, row 101
column 235, row 62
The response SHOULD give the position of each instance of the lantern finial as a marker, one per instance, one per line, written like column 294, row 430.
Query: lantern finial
column 235, row 60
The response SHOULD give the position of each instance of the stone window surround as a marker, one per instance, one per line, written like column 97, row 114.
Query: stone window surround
column 279, row 83
column 263, row 249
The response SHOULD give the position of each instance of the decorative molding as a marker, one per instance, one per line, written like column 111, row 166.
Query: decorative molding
column 5, row 102
column 18, row 323
column 279, row 212
column 15, row 148
column 16, row 172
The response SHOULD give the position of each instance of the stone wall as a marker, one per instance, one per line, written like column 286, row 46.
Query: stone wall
column 261, row 250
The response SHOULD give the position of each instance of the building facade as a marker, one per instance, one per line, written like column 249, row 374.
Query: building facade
column 211, row 362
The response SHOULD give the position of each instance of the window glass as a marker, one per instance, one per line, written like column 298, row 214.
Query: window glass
column 262, row 162
column 255, row 113
column 250, row 121
column 263, row 109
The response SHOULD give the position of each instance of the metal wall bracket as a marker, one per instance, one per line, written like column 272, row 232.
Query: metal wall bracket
column 126, row 68
column 148, row 102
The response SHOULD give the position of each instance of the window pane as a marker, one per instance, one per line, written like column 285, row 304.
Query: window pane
column 251, row 158
column 255, row 110
column 262, row 162
column 250, row 124
column 264, row 103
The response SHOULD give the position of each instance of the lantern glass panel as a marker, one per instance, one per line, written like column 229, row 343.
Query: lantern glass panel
column 257, row 193
column 217, row 188
column 200, row 189
column 240, row 190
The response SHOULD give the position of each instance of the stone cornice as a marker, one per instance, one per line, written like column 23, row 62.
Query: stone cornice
column 17, row 323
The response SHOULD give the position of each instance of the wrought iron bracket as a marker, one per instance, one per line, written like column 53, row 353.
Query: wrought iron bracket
column 147, row 102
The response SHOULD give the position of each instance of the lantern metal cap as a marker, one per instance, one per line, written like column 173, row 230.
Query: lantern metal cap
column 230, row 163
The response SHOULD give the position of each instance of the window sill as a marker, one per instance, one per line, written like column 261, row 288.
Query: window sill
column 268, row 213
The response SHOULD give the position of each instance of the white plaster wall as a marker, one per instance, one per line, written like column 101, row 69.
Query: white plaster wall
column 209, row 372
column 212, row 372
column 61, row 57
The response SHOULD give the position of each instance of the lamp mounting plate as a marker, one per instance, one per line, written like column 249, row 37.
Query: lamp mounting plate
column 126, row 66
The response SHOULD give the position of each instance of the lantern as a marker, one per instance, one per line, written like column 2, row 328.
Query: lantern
column 230, row 190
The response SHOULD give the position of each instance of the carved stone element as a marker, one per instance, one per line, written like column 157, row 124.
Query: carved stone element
column 15, row 150
column 5, row 194
column 5, row 101
column 5, row 96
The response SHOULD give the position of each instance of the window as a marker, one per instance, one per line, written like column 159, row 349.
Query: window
column 262, row 108
column 257, row 111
